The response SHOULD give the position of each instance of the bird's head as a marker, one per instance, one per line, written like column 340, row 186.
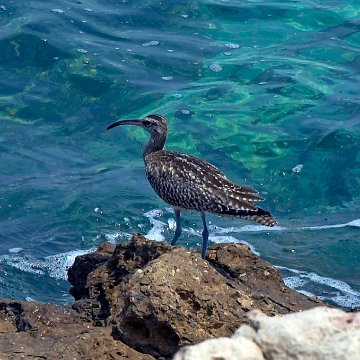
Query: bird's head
column 155, row 124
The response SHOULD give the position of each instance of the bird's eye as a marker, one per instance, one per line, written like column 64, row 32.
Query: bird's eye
column 147, row 123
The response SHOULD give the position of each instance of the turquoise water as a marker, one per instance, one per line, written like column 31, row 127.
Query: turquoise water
column 266, row 90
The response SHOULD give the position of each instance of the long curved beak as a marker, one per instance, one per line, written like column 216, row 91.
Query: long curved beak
column 136, row 122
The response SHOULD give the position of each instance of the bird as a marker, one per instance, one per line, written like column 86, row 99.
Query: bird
column 188, row 183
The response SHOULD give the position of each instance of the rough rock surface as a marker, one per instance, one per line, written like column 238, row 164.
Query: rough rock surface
column 158, row 298
column 316, row 334
column 144, row 299
column 32, row 330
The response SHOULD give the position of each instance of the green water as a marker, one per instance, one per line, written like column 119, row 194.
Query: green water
column 268, row 91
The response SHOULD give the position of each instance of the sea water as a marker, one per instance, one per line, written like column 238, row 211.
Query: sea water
column 265, row 90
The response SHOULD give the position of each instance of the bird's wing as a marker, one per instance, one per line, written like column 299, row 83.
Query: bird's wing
column 186, row 181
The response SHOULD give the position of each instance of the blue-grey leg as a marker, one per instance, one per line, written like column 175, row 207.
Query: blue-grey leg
column 205, row 236
column 178, row 226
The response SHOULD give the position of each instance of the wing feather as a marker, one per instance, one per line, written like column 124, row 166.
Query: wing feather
column 191, row 183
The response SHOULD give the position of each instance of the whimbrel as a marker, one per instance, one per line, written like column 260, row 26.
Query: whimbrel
column 189, row 183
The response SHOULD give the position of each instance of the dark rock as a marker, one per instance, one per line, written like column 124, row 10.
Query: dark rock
column 17, row 310
column 89, row 263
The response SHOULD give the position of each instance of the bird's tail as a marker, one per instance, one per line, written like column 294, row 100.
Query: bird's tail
column 259, row 215
column 266, row 220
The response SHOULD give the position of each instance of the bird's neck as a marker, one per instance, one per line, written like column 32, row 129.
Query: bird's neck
column 155, row 143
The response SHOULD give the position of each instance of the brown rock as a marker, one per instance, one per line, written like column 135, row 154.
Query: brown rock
column 158, row 298
column 44, row 331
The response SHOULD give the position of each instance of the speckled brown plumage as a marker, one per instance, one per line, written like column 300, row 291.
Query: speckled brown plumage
column 189, row 183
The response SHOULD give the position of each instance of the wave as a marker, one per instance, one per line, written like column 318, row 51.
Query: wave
column 333, row 290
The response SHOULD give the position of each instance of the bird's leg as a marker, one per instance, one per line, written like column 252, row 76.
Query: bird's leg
column 205, row 236
column 178, row 226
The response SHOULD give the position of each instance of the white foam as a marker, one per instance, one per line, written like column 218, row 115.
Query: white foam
column 341, row 293
column 245, row 228
column 298, row 168
column 155, row 233
column 256, row 228
column 260, row 228
column 26, row 264
column 289, row 269
column 294, row 281
column 354, row 223
column 158, row 227
column 15, row 250
column 54, row 266
column 345, row 301
column 336, row 284
column 57, row 265
column 171, row 224
column 306, row 293
column 117, row 236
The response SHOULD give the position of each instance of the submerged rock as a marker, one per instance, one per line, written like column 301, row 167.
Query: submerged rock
column 144, row 299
